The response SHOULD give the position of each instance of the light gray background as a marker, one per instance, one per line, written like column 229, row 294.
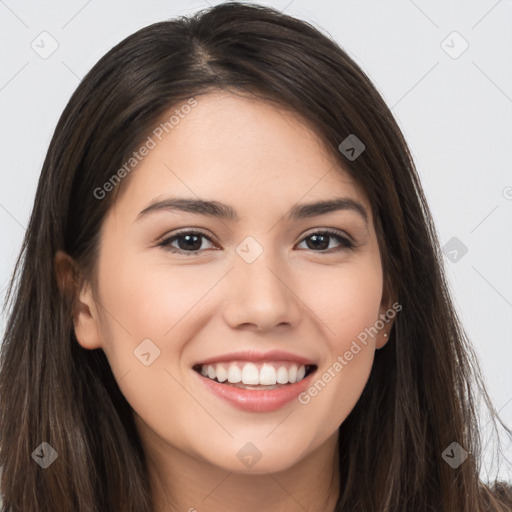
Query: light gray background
column 456, row 114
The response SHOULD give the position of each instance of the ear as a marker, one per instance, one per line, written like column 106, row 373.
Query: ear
column 85, row 317
column 386, row 311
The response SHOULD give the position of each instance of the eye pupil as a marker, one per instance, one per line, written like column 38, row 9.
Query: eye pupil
column 190, row 243
column 316, row 238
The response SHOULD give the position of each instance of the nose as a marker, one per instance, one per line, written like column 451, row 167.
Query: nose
column 261, row 295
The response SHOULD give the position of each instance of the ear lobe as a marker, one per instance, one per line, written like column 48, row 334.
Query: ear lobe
column 86, row 325
column 384, row 333
column 85, row 318
column 382, row 339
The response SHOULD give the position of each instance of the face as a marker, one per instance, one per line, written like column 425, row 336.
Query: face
column 274, row 292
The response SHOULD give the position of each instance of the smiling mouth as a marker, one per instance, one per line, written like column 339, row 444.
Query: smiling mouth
column 248, row 375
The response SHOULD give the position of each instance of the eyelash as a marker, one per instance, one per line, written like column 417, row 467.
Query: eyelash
column 345, row 243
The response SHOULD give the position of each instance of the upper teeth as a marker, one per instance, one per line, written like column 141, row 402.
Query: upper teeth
column 265, row 374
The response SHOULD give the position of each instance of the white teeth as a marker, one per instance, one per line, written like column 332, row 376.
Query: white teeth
column 292, row 373
column 267, row 375
column 250, row 374
column 255, row 374
column 234, row 374
column 221, row 372
column 282, row 375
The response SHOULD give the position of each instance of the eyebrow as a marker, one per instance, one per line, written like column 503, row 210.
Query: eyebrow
column 226, row 212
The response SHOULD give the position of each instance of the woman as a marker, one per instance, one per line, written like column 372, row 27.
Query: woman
column 230, row 295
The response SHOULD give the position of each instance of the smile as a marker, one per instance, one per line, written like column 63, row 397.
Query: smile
column 259, row 386
column 249, row 375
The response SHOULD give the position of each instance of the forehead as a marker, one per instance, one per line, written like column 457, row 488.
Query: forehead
column 246, row 150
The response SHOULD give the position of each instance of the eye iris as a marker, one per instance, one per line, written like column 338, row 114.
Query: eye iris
column 316, row 237
column 190, row 244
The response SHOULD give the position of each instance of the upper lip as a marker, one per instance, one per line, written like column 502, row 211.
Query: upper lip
column 251, row 355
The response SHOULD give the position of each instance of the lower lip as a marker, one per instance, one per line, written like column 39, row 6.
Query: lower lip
column 257, row 400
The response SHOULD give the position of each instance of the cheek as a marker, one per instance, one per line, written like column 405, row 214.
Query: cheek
column 348, row 302
column 149, row 300
column 144, row 308
column 349, row 308
column 159, row 303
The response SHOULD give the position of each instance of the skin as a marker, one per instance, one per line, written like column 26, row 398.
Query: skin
column 261, row 161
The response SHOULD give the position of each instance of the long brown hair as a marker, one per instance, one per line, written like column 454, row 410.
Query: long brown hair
column 421, row 394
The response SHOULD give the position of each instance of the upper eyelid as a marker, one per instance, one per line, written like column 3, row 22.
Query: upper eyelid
column 188, row 231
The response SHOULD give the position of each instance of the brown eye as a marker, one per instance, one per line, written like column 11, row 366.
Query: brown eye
column 188, row 242
column 321, row 240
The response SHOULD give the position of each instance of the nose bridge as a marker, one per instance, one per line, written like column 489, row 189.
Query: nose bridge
column 257, row 267
column 261, row 294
